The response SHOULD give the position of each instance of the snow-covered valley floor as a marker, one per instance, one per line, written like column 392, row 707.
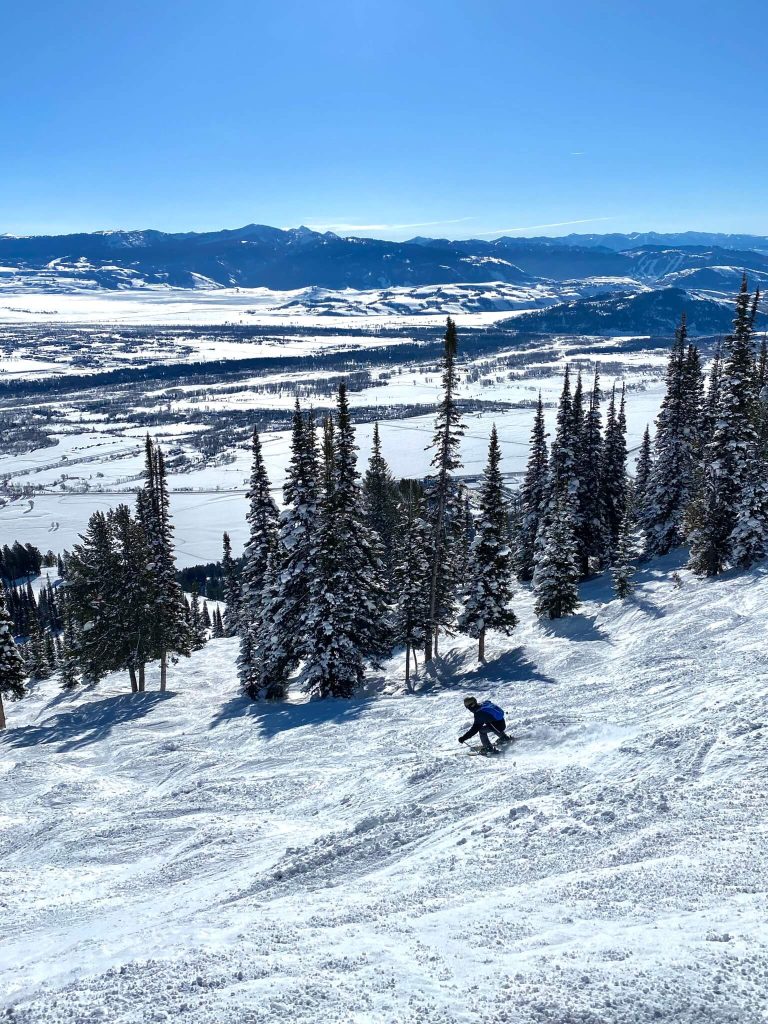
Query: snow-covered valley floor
column 193, row 857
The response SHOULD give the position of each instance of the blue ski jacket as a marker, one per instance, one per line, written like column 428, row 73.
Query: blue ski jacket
column 486, row 717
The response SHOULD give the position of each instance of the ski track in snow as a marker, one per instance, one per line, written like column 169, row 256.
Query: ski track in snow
column 195, row 857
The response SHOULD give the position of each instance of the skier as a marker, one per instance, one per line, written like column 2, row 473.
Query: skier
column 488, row 716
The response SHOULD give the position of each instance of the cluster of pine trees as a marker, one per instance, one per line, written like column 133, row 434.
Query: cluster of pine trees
column 40, row 620
column 355, row 566
column 704, row 481
column 574, row 497
column 120, row 605
column 18, row 561
column 123, row 602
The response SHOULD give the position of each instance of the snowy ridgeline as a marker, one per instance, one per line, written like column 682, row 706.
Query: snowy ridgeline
column 192, row 856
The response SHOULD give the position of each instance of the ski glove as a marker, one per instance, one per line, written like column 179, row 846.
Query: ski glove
column 461, row 739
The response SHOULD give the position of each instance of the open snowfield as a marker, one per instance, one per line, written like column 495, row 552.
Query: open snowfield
column 195, row 857
column 303, row 307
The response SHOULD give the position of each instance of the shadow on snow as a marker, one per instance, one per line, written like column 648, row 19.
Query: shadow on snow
column 579, row 628
column 87, row 723
column 511, row 667
column 271, row 718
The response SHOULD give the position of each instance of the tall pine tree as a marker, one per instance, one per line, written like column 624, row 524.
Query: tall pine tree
column 170, row 632
column 347, row 620
column 555, row 581
column 642, row 475
column 231, row 586
column 672, row 479
column 411, row 577
column 563, row 465
column 729, row 515
column 590, row 525
column 262, row 517
column 382, row 499
column 444, row 511
column 533, row 496
column 276, row 648
column 489, row 590
column 614, row 472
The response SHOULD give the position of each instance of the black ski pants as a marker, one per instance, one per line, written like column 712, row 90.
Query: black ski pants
column 499, row 729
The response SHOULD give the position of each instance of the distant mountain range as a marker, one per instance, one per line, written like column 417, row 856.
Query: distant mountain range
column 581, row 284
column 260, row 256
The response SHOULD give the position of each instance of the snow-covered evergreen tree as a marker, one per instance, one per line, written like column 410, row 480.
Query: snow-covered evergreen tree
column 590, row 525
column 230, row 580
column 268, row 658
column 563, row 465
column 623, row 568
column 197, row 631
column 762, row 398
column 614, row 472
column 50, row 650
column 695, row 399
column 128, row 596
column 170, row 632
column 577, row 419
column 12, row 670
column 262, row 518
column 36, row 658
column 533, row 495
column 489, row 590
column 642, row 475
column 463, row 533
column 260, row 549
column 443, row 500
column 411, row 577
column 68, row 668
column 731, row 481
column 762, row 364
column 218, row 625
column 712, row 397
column 347, row 620
column 555, row 580
column 382, row 499
column 748, row 540
column 672, row 480
column 92, row 568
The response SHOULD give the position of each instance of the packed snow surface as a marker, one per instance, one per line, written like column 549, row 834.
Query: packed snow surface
column 194, row 857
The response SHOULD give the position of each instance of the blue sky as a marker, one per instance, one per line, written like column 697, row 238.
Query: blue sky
column 386, row 118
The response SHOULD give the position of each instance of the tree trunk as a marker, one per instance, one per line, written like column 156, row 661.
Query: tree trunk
column 408, row 667
column 2, row 713
column 437, row 632
column 141, row 678
column 415, row 661
column 430, row 647
column 163, row 670
column 132, row 674
column 481, row 647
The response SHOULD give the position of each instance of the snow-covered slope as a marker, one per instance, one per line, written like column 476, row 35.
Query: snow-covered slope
column 196, row 858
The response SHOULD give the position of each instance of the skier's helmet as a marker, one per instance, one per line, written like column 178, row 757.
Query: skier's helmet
column 470, row 702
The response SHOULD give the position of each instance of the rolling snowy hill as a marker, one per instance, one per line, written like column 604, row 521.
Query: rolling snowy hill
column 198, row 858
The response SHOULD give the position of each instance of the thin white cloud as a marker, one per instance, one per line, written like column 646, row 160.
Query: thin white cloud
column 539, row 227
column 386, row 227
